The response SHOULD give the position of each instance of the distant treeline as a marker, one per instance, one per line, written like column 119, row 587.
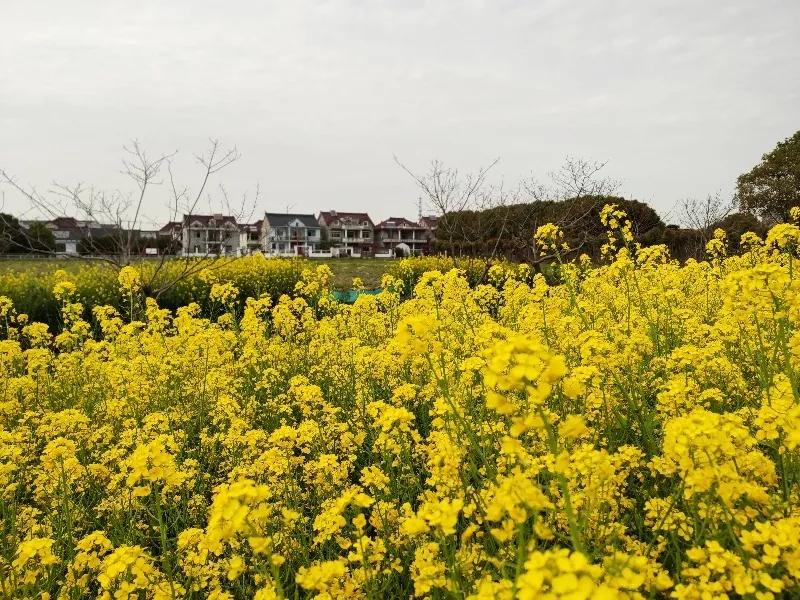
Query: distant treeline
column 507, row 231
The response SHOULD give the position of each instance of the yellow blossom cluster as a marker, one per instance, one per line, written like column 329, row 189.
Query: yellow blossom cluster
column 631, row 431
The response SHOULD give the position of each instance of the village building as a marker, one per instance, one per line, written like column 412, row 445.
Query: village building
column 210, row 235
column 399, row 237
column 348, row 233
column 429, row 223
column 251, row 237
column 291, row 234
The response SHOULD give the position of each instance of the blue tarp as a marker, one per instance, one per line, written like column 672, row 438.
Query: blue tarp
column 349, row 296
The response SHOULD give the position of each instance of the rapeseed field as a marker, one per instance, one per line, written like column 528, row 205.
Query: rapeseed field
column 632, row 431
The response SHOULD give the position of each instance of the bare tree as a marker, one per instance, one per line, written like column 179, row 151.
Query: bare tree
column 489, row 225
column 702, row 214
column 113, row 234
column 576, row 178
column 447, row 191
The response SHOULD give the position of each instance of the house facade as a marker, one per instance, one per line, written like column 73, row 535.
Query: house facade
column 171, row 231
column 291, row 234
column 67, row 232
column 73, row 236
column 330, row 234
column 251, row 237
column 400, row 237
column 170, row 238
column 429, row 224
column 349, row 234
column 204, row 235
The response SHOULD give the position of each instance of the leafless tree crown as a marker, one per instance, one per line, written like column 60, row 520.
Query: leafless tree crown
column 124, row 212
column 446, row 191
column 702, row 214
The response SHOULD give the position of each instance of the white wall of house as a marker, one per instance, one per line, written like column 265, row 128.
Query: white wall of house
column 200, row 239
column 250, row 241
column 294, row 238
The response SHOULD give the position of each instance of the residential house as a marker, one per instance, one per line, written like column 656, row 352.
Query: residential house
column 400, row 237
column 85, row 236
column 75, row 236
column 171, row 231
column 251, row 237
column 170, row 238
column 147, row 241
column 291, row 234
column 349, row 234
column 430, row 223
column 204, row 235
column 68, row 233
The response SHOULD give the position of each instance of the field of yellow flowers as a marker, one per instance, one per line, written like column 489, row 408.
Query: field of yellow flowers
column 31, row 285
column 632, row 432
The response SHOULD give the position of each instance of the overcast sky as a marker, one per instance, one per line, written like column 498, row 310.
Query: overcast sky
column 679, row 96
